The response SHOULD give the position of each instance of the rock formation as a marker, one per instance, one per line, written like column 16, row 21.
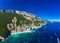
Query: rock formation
column 12, row 26
column 22, row 21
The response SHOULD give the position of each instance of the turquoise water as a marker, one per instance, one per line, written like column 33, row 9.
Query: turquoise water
column 20, row 38
column 50, row 33
column 1, row 42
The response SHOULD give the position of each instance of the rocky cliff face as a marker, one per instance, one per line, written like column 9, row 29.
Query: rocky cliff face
column 19, row 21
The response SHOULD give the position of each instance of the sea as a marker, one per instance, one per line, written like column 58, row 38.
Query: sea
column 49, row 33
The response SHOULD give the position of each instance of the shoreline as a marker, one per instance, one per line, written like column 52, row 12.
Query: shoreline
column 21, row 32
column 30, row 30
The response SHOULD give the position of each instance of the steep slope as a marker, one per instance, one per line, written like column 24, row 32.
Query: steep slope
column 6, row 18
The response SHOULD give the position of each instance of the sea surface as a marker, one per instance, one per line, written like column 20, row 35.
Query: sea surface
column 49, row 33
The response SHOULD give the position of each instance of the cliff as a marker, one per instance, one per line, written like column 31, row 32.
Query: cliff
column 18, row 21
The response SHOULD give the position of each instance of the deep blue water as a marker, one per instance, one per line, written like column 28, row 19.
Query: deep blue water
column 50, row 33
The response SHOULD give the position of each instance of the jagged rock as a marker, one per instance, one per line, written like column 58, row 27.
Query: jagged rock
column 19, row 18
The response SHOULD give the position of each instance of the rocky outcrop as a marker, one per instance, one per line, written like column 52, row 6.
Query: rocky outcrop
column 2, row 39
column 22, row 21
column 25, row 14
column 14, row 28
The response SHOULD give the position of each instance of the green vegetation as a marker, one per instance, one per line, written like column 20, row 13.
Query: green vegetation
column 6, row 18
column 38, row 21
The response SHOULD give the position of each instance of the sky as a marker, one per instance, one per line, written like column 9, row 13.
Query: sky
column 45, row 9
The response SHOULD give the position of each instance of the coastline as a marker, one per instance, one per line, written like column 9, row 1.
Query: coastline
column 39, row 26
column 21, row 32
column 30, row 30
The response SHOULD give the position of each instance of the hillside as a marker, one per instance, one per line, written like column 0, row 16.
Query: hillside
column 6, row 18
